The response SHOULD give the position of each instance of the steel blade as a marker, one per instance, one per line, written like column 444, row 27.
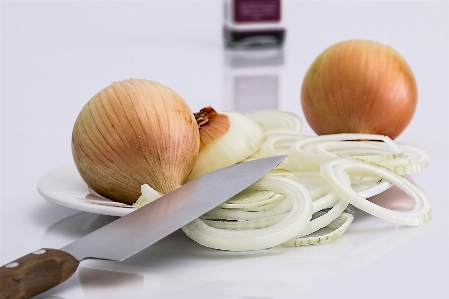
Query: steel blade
column 130, row 234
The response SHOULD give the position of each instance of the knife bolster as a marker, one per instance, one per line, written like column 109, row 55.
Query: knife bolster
column 35, row 273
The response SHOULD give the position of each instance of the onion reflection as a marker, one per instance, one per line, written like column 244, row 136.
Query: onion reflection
column 97, row 282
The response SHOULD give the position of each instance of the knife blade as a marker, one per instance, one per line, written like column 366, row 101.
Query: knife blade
column 45, row 268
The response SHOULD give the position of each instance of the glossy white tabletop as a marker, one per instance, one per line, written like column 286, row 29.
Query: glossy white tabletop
column 56, row 55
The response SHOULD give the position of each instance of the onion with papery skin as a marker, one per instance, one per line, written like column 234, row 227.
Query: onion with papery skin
column 131, row 133
column 242, row 139
column 211, row 124
column 359, row 86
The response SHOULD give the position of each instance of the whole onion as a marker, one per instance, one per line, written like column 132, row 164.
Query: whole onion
column 359, row 86
column 131, row 133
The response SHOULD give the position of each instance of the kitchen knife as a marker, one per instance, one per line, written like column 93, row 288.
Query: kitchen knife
column 45, row 268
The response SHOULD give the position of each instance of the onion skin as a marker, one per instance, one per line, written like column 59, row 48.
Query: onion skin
column 359, row 86
column 131, row 133
column 211, row 124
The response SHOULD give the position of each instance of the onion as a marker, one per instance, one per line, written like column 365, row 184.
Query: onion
column 132, row 133
column 242, row 138
column 359, row 86
column 211, row 124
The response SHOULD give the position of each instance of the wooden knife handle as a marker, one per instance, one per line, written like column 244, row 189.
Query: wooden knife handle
column 35, row 273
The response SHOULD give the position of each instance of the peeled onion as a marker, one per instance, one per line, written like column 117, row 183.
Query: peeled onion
column 242, row 138
column 132, row 133
column 359, row 86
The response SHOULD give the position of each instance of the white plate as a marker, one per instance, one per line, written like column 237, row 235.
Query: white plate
column 64, row 186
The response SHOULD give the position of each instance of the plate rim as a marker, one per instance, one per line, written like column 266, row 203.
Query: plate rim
column 45, row 189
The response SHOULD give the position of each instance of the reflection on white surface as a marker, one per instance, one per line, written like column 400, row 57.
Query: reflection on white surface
column 177, row 266
column 99, row 282
column 72, row 228
column 253, row 79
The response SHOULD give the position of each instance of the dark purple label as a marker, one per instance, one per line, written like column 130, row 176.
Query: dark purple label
column 257, row 10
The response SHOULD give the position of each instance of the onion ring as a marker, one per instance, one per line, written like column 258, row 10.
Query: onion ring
column 334, row 173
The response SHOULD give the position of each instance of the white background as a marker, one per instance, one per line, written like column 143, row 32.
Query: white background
column 56, row 55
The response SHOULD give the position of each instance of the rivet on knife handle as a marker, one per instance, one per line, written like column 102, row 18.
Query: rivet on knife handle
column 35, row 273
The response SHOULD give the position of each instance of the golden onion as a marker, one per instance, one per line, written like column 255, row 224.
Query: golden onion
column 131, row 133
column 359, row 86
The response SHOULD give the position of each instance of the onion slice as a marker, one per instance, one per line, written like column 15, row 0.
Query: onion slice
column 308, row 154
column 272, row 121
column 249, row 196
column 412, row 160
column 340, row 225
column 326, row 218
column 289, row 227
column 313, row 181
column 245, row 224
column 325, row 201
column 335, row 174
column 276, row 145
column 228, row 214
column 148, row 195
column 369, row 150
column 250, row 205
column 279, row 145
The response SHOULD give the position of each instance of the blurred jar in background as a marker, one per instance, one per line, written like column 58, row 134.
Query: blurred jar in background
column 253, row 23
column 253, row 79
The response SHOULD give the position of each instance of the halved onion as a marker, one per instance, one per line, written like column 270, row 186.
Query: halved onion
column 242, row 139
